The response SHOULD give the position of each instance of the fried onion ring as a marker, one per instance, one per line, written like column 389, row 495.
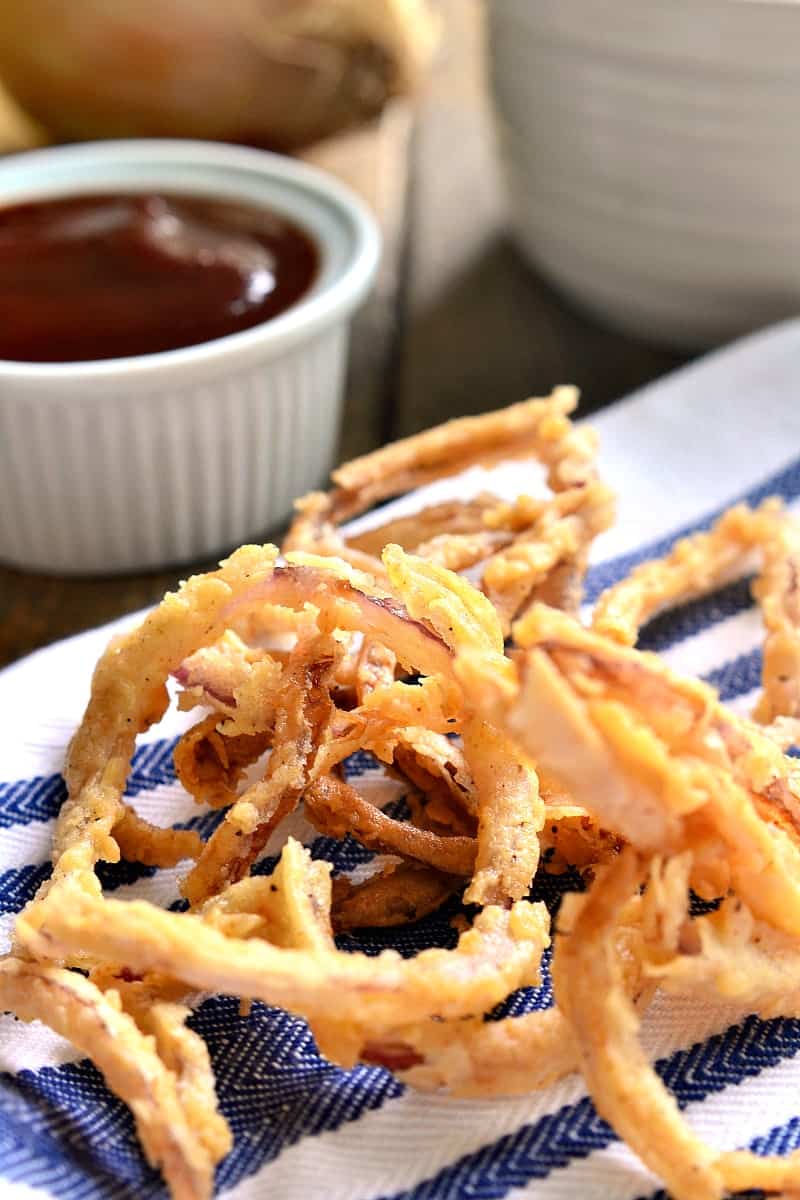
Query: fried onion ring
column 535, row 428
column 127, row 1059
column 655, row 758
column 398, row 895
column 510, row 815
column 336, row 808
column 704, row 561
column 587, row 977
column 300, row 726
column 532, row 549
column 129, row 695
column 139, row 841
column 499, row 953
column 210, row 765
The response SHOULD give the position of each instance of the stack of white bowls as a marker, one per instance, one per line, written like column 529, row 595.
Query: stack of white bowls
column 652, row 153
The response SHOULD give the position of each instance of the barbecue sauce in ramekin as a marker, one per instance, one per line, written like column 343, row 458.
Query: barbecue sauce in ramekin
column 94, row 277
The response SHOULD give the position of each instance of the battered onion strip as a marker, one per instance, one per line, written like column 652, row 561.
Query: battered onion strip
column 457, row 611
column 694, row 566
column 335, row 808
column 754, row 965
column 314, row 529
column 509, row 1057
column 499, row 953
column 155, row 1005
column 511, row 576
column 439, row 769
column 242, row 693
column 744, row 960
column 185, row 1053
column 129, row 694
column 479, row 1058
column 93, row 1021
column 430, row 703
column 777, row 590
column 510, row 815
column 784, row 732
column 536, row 428
column 533, row 549
column 460, row 551
column 548, row 560
column 587, row 978
column 397, row 895
column 570, row 837
column 289, row 908
column 139, row 841
column 258, row 692
column 451, row 518
column 655, row 758
column 301, row 724
column 352, row 602
column 375, row 668
column 507, row 856
column 705, row 561
column 211, row 676
column 300, row 890
column 210, row 765
column 295, row 905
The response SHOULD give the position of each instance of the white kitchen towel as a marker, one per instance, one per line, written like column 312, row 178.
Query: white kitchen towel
column 677, row 453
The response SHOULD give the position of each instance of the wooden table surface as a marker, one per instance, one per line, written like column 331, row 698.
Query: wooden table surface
column 457, row 323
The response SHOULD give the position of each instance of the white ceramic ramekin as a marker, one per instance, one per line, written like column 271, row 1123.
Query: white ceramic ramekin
column 139, row 462
column 652, row 152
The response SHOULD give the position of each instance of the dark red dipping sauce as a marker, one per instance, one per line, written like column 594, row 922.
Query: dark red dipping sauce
column 94, row 277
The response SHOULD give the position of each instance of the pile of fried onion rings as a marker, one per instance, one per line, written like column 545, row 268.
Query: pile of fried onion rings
column 527, row 740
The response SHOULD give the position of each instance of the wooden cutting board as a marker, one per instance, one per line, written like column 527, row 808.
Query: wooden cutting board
column 374, row 162
column 17, row 131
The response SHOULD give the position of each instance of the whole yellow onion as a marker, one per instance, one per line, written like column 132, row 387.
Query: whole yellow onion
column 279, row 73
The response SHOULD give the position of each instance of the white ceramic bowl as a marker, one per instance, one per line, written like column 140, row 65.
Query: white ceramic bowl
column 164, row 458
column 652, row 152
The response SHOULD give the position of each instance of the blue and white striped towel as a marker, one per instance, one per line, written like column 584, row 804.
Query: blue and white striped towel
column 726, row 429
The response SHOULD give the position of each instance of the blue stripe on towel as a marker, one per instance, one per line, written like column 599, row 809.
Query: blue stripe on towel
column 575, row 1130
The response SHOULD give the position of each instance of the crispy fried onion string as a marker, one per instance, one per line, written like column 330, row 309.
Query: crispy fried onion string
column 508, row 1057
column 210, row 765
column 531, row 549
column 656, row 758
column 139, row 841
column 499, row 953
column 575, row 751
column 129, row 695
column 301, row 724
column 705, row 561
column 719, row 949
column 399, row 894
column 335, row 808
column 623, row 1085
column 184, row 1147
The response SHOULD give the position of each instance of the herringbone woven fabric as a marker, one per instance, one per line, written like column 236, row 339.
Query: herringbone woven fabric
column 677, row 453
